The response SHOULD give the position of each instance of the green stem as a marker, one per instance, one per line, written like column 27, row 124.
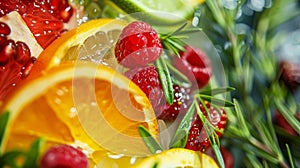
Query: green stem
column 264, row 147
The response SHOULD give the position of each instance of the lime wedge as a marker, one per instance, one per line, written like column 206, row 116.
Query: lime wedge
column 158, row 11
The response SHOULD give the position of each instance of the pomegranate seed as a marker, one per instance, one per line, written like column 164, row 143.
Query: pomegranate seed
column 4, row 29
column 23, row 53
column 2, row 40
column 27, row 68
column 66, row 13
column 55, row 4
column 7, row 51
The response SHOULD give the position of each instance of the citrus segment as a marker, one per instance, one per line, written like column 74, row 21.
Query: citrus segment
column 177, row 157
column 85, row 105
column 92, row 41
column 20, row 32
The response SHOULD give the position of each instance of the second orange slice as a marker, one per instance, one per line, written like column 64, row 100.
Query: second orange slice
column 83, row 104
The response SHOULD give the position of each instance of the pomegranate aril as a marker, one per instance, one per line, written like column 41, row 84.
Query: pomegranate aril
column 22, row 53
column 55, row 4
column 27, row 67
column 4, row 29
column 7, row 52
column 2, row 40
column 66, row 13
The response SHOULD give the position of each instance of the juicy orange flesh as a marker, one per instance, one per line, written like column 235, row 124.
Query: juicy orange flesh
column 53, row 115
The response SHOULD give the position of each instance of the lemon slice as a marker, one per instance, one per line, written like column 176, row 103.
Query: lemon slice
column 92, row 41
column 177, row 157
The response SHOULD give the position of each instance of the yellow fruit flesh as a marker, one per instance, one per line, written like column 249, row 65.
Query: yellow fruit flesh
column 177, row 157
column 97, row 48
column 92, row 41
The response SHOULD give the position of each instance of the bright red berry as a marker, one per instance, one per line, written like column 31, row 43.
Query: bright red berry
column 148, row 80
column 64, row 156
column 290, row 74
column 195, row 64
column 198, row 138
column 280, row 121
column 138, row 45
column 181, row 103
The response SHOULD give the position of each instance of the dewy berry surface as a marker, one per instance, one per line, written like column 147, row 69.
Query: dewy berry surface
column 198, row 138
column 138, row 45
column 64, row 156
column 181, row 103
column 148, row 80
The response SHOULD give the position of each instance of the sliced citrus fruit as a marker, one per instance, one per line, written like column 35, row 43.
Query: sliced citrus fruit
column 82, row 104
column 177, row 157
column 18, row 50
column 156, row 11
column 92, row 41
column 46, row 19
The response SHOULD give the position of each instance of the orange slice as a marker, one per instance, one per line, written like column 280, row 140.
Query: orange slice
column 82, row 104
column 92, row 41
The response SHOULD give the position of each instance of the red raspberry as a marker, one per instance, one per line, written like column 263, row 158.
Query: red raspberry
column 181, row 103
column 64, row 156
column 138, row 45
column 280, row 121
column 198, row 138
column 195, row 64
column 290, row 74
column 147, row 79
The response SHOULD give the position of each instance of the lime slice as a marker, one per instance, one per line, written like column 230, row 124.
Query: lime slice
column 157, row 11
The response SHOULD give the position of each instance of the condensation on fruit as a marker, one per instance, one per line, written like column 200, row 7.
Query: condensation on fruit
column 97, row 48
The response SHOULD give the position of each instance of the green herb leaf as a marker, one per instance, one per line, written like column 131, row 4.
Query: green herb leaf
column 290, row 155
column 178, row 77
column 217, row 91
column 218, row 155
column 210, row 131
column 216, row 101
column 165, row 79
column 33, row 154
column 9, row 159
column 150, row 142
column 288, row 115
column 241, row 120
column 3, row 123
column 180, row 137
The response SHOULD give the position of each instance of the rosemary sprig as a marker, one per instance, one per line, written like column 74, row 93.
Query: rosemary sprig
column 174, row 41
column 210, row 131
column 165, row 78
column 251, row 66
column 149, row 140
column 180, row 137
